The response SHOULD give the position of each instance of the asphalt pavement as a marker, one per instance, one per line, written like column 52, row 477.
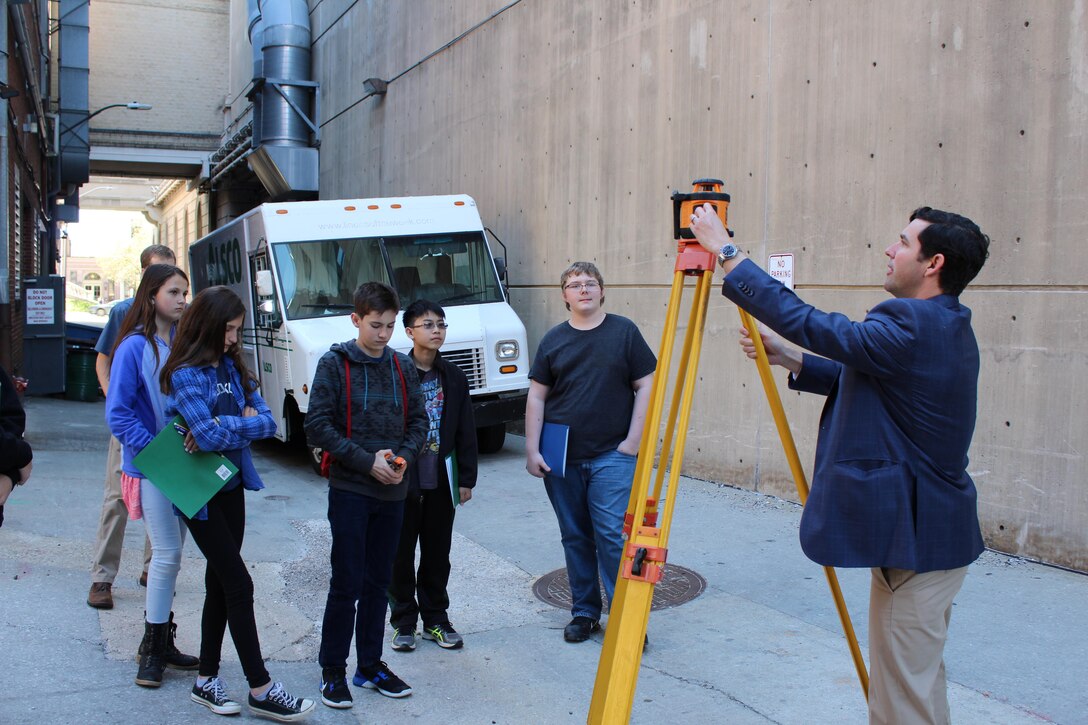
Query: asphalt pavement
column 760, row 644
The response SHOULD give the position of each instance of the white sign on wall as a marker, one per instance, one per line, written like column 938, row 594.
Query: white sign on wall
column 39, row 306
column 780, row 266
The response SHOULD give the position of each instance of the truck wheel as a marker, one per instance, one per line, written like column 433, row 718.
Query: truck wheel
column 490, row 438
column 315, row 458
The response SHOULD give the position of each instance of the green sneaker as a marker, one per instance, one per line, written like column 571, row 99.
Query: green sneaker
column 404, row 640
column 444, row 635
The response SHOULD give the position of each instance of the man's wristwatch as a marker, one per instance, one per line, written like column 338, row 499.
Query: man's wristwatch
column 727, row 252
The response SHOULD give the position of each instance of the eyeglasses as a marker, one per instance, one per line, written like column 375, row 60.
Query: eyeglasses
column 579, row 286
column 430, row 325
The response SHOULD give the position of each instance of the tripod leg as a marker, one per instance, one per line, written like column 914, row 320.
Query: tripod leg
column 617, row 671
column 786, row 435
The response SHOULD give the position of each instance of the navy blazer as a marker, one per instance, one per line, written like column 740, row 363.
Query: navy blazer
column 890, row 486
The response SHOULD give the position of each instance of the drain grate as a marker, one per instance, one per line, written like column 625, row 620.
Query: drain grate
column 679, row 586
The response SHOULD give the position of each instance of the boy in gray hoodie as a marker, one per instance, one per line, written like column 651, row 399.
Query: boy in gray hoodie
column 377, row 390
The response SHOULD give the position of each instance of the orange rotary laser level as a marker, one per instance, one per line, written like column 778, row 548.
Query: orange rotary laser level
column 691, row 259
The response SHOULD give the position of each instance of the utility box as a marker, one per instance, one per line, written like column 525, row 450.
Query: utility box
column 43, row 334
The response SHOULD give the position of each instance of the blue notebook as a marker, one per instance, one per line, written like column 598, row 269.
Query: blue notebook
column 553, row 447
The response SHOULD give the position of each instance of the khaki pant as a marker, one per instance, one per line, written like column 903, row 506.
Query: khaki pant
column 908, row 626
column 111, row 525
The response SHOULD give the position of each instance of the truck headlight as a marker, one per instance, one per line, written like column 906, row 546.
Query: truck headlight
column 506, row 349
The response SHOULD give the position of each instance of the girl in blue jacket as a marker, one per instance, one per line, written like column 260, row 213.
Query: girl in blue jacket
column 213, row 390
column 134, row 413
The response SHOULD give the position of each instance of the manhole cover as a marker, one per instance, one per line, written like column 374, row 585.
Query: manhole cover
column 678, row 586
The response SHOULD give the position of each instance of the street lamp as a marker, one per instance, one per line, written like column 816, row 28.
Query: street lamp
column 131, row 105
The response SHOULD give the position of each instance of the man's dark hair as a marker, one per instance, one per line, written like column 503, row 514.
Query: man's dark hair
column 959, row 239
column 156, row 250
column 375, row 297
column 418, row 309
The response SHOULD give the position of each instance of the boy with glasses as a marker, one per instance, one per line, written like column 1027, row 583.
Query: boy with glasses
column 592, row 373
column 429, row 507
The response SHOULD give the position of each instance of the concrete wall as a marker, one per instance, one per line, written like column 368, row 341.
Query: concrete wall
column 570, row 121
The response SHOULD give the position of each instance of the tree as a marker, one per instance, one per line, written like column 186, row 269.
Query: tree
column 122, row 264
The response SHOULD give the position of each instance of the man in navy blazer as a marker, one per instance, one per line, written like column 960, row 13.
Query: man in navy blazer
column 890, row 489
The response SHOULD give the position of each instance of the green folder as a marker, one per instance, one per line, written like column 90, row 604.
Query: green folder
column 453, row 478
column 189, row 480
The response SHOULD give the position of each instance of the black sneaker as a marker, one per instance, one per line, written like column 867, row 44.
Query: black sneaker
column 381, row 678
column 279, row 705
column 444, row 635
column 334, row 688
column 213, row 695
column 580, row 628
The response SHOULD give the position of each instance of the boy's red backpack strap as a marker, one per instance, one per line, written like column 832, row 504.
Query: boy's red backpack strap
column 403, row 390
column 326, row 457
column 347, row 376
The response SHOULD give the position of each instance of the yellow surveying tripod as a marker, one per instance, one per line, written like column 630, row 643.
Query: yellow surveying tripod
column 645, row 549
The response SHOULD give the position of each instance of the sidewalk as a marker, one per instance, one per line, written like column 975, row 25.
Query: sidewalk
column 762, row 643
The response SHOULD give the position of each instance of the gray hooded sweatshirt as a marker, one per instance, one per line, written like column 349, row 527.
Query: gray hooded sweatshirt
column 386, row 412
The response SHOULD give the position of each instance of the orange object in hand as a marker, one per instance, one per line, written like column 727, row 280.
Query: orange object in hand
column 397, row 464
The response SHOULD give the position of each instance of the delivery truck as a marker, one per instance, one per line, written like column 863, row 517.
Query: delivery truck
column 296, row 266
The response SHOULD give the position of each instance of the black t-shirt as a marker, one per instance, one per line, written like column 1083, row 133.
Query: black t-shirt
column 590, row 373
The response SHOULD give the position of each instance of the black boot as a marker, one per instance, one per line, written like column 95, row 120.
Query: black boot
column 175, row 659
column 152, row 660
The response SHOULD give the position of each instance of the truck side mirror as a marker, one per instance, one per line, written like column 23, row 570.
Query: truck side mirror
column 500, row 266
column 264, row 283
column 269, row 314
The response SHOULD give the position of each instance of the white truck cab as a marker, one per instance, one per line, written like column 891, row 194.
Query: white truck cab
column 296, row 266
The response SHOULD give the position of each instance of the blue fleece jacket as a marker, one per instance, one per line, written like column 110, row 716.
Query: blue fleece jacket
column 135, row 405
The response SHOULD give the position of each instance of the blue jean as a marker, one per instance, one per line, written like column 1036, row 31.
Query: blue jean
column 365, row 534
column 590, row 502
column 167, row 534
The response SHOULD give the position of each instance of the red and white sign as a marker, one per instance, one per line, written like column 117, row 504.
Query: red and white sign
column 39, row 306
column 780, row 266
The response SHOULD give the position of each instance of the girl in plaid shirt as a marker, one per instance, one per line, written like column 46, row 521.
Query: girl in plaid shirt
column 213, row 390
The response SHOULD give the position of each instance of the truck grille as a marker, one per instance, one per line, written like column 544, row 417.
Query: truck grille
column 471, row 362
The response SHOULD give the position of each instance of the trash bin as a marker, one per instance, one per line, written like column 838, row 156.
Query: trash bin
column 81, row 382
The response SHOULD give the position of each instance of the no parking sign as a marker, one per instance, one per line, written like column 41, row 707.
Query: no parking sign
column 780, row 266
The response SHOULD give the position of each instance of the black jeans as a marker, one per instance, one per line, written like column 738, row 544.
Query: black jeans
column 228, row 588
column 365, row 532
column 428, row 518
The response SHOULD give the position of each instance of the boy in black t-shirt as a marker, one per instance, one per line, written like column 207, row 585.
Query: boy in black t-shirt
column 592, row 373
column 429, row 507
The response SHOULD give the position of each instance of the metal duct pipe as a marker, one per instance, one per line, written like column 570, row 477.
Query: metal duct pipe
column 256, row 41
column 286, row 57
column 75, row 147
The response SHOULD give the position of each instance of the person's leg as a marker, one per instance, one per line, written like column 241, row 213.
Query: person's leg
column 347, row 521
column 382, row 537
column 230, row 588
column 402, row 586
column 435, row 540
column 111, row 523
column 167, row 534
column 908, row 626
column 608, row 492
column 568, row 497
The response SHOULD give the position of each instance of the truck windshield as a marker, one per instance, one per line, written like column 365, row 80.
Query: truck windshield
column 319, row 278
